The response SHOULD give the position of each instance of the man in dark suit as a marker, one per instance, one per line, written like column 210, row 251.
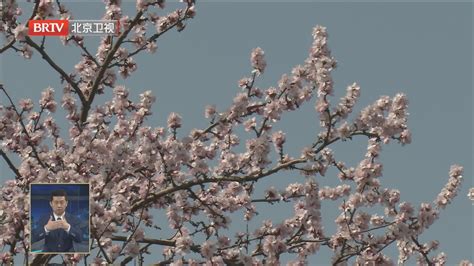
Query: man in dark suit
column 58, row 229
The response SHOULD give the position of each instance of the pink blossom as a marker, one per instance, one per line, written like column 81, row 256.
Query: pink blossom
column 383, row 103
column 456, row 171
column 239, row 105
column 399, row 103
column 371, row 257
column 354, row 201
column 471, row 194
column 121, row 53
column 151, row 47
column 334, row 193
column 273, row 245
column 427, row 215
column 142, row 4
column 272, row 194
column 294, row 189
column 440, row 259
column 406, row 208
column 223, row 241
column 320, row 63
column 250, row 124
column 373, row 149
column 74, row 258
column 26, row 51
column 47, row 100
column 26, row 104
column 210, row 111
column 257, row 59
column 272, row 92
column 139, row 234
column 132, row 248
column 244, row 82
column 128, row 67
column 451, row 188
column 146, row 100
column 183, row 244
column 348, row 101
column 46, row 8
column 344, row 130
column 257, row 92
column 199, row 166
column 113, row 10
column 208, row 249
column 321, row 106
column 405, row 137
column 177, row 263
column 5, row 257
column 114, row 251
column 174, row 121
column 258, row 150
column 273, row 110
column 20, row 32
column 377, row 220
column 278, row 138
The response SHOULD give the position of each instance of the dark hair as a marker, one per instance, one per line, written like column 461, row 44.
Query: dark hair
column 58, row 193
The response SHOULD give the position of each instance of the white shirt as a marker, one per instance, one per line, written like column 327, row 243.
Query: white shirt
column 56, row 218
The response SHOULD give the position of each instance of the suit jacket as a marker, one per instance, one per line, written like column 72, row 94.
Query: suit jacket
column 58, row 240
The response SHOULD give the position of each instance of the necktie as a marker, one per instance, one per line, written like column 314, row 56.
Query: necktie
column 61, row 236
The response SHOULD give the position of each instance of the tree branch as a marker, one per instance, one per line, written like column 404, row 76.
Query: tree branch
column 10, row 163
column 169, row 243
column 52, row 63
column 111, row 54
column 35, row 152
column 7, row 46
column 10, row 44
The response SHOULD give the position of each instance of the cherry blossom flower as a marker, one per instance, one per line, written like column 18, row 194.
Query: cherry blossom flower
column 47, row 100
column 208, row 249
column 210, row 111
column 348, row 101
column 26, row 104
column 45, row 8
column 465, row 263
column 344, row 130
column 451, row 188
column 471, row 194
column 142, row 4
column 20, row 32
column 278, row 138
column 183, row 244
column 174, row 121
column 26, row 51
column 257, row 59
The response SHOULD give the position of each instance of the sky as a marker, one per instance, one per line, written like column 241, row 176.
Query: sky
column 423, row 49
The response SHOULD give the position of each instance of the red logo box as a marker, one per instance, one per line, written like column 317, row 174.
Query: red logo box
column 48, row 27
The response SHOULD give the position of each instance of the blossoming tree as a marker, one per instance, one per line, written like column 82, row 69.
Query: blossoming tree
column 200, row 179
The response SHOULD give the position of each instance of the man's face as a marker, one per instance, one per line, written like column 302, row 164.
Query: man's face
column 58, row 204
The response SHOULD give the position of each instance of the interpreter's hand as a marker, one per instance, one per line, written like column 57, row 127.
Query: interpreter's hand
column 53, row 225
column 63, row 224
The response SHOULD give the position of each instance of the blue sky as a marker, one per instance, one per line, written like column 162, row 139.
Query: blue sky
column 421, row 49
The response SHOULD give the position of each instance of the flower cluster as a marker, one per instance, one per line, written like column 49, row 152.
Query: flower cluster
column 450, row 190
column 348, row 101
column 257, row 59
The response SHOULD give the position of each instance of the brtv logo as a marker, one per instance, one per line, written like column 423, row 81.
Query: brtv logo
column 48, row 28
